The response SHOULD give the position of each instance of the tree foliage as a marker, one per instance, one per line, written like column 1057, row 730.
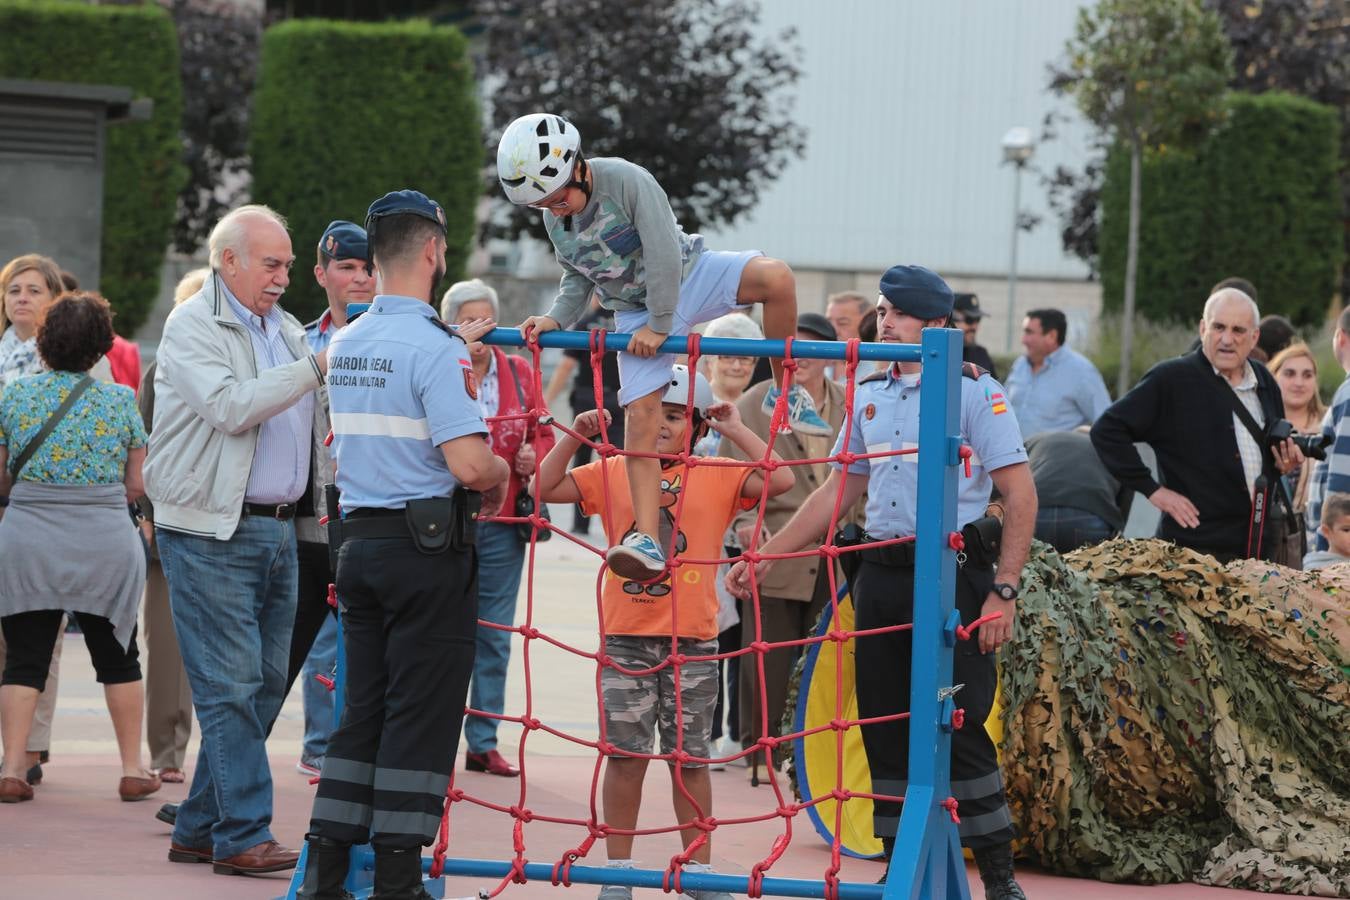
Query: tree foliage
column 1150, row 74
column 1299, row 46
column 1258, row 199
column 218, row 44
column 119, row 45
column 345, row 112
column 682, row 88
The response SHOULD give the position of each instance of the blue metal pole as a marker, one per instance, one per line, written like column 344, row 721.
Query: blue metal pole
column 927, row 859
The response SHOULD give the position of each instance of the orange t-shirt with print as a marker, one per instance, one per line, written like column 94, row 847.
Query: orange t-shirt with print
column 713, row 501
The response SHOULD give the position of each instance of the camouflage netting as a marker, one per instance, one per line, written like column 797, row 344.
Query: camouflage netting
column 1168, row 719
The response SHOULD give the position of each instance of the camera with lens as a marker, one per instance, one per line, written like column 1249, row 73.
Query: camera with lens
column 1312, row 446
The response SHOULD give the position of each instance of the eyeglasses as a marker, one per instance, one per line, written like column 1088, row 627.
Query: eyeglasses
column 557, row 201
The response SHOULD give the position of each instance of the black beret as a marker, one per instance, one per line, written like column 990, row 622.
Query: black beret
column 818, row 325
column 344, row 240
column 917, row 291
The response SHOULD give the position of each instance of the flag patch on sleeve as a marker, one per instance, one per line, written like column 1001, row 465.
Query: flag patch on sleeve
column 997, row 403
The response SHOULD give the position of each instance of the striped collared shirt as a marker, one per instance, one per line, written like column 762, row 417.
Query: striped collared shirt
column 281, row 461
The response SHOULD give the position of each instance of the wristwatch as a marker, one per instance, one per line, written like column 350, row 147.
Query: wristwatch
column 1004, row 590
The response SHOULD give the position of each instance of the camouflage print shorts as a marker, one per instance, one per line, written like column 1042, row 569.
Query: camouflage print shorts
column 636, row 704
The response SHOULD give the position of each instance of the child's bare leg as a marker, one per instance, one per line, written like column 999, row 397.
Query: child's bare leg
column 770, row 282
column 699, row 785
column 621, row 796
column 642, row 420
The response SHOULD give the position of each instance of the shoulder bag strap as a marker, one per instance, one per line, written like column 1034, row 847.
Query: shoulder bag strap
column 520, row 395
column 17, row 463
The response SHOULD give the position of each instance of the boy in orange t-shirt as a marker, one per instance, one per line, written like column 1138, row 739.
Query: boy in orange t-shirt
column 639, row 619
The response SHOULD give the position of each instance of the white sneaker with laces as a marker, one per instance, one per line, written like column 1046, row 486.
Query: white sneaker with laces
column 638, row 558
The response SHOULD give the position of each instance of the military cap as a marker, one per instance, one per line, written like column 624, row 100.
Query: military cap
column 917, row 291
column 405, row 202
column 968, row 305
column 343, row 240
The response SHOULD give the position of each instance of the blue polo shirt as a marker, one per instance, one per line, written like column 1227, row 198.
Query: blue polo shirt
column 886, row 417
column 399, row 386
column 1067, row 392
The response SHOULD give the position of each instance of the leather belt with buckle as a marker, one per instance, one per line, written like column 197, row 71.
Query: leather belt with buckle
column 270, row 510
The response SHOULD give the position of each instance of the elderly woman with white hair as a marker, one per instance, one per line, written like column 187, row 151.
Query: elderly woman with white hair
column 507, row 388
column 728, row 375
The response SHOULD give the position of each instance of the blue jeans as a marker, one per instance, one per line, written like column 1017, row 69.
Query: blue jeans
column 501, row 556
column 233, row 607
column 1066, row 528
column 318, row 699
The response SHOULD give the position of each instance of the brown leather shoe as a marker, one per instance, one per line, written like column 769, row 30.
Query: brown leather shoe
column 181, row 854
column 490, row 762
column 14, row 790
column 269, row 856
column 133, row 787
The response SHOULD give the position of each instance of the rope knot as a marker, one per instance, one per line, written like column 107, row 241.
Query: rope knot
column 531, row 723
column 959, row 718
column 950, row 806
column 760, row 646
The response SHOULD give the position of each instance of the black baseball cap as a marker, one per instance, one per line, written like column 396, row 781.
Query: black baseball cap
column 817, row 325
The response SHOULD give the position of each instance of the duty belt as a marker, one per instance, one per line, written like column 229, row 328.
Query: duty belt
column 981, row 539
column 366, row 524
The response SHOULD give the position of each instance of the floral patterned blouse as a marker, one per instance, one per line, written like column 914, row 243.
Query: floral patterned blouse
column 90, row 444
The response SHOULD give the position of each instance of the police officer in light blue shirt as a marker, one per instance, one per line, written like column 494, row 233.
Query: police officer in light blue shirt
column 409, row 439
column 340, row 268
column 886, row 418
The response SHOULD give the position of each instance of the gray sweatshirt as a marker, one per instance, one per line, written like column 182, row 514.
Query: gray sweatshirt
column 627, row 243
column 1320, row 559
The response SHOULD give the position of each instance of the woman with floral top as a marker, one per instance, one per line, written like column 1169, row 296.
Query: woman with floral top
column 72, row 492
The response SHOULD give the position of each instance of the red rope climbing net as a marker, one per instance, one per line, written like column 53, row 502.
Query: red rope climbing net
column 784, row 806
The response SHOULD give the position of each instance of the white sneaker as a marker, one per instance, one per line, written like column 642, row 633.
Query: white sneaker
column 638, row 558
column 616, row 892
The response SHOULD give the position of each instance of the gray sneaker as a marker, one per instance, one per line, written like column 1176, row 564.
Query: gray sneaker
column 616, row 892
column 707, row 895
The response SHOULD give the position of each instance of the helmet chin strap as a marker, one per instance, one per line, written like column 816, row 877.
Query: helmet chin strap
column 581, row 168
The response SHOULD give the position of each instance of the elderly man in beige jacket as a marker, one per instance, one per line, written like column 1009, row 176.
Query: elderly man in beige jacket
column 795, row 590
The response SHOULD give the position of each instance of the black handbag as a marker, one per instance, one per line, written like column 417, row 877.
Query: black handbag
column 524, row 502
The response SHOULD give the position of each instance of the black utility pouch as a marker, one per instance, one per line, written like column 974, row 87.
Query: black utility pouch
column 334, row 524
column 467, row 505
column 983, row 538
column 849, row 536
column 431, row 521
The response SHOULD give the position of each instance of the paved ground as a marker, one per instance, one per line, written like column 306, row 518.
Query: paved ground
column 77, row 840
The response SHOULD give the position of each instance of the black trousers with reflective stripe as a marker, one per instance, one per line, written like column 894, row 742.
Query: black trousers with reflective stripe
column 409, row 625
column 884, row 595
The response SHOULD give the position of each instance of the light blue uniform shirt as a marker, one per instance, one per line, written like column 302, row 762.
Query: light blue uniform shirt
column 398, row 388
column 280, row 471
column 886, row 417
column 319, row 333
column 1067, row 392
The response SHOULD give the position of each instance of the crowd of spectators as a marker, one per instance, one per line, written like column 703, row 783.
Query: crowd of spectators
column 233, row 416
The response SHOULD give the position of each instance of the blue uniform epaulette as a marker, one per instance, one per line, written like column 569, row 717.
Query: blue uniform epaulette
column 317, row 323
column 444, row 327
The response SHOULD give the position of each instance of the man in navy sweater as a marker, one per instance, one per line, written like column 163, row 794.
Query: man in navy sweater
column 1220, row 479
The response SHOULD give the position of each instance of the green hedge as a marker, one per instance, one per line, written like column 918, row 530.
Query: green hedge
column 1259, row 199
column 345, row 112
column 134, row 46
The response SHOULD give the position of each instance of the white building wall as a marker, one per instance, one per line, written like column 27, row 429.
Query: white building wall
column 905, row 104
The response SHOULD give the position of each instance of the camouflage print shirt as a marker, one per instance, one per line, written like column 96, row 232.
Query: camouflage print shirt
column 627, row 243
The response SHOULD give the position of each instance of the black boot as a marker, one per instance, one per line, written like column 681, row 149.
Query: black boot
column 887, row 848
column 996, row 871
column 398, row 875
column 325, row 870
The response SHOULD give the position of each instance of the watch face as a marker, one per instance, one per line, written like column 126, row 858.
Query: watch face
column 1006, row 591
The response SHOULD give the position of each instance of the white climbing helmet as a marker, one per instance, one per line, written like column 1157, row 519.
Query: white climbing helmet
column 678, row 392
column 536, row 156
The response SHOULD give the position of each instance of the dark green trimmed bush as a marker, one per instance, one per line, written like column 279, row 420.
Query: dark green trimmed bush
column 345, row 112
column 1259, row 199
column 135, row 46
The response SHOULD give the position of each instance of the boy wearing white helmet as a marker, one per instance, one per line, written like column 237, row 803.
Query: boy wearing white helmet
column 613, row 230
column 639, row 620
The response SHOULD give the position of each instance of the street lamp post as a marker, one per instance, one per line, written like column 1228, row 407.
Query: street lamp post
column 1018, row 147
